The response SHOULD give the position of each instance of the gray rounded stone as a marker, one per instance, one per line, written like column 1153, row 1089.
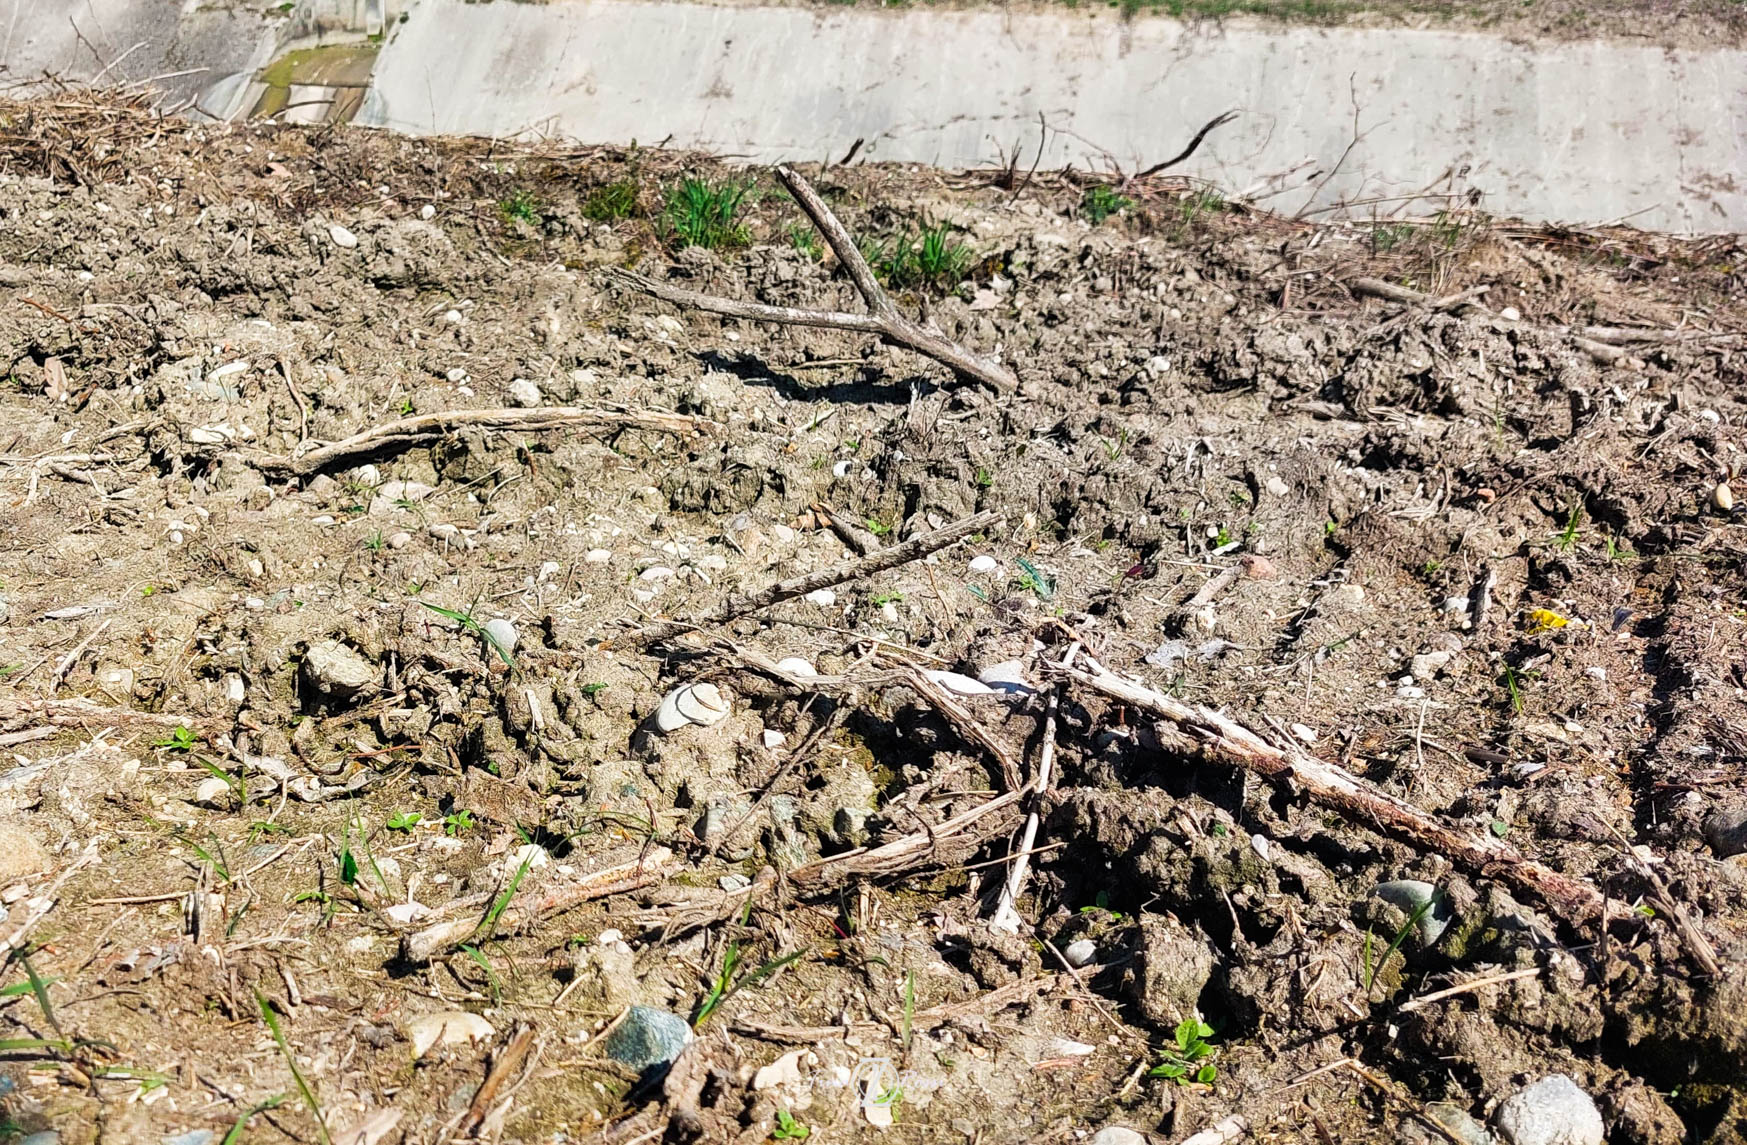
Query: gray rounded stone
column 1552, row 1111
column 335, row 669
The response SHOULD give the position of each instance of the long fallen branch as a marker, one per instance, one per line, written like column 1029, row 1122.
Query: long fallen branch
column 913, row 549
column 1229, row 742
column 882, row 318
column 411, row 431
column 1591, row 341
column 465, row 917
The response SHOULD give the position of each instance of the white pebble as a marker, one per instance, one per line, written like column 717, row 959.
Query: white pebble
column 343, row 238
column 1510, row 314
column 211, row 791
column 774, row 739
column 656, row 572
column 823, row 597
column 598, row 556
column 524, row 393
column 841, row 469
column 501, row 633
column 427, row 212
column 984, row 564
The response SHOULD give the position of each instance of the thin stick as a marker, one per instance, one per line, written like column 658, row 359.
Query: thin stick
column 412, row 430
column 1229, row 742
column 900, row 853
column 1465, row 988
column 914, row 549
column 72, row 657
column 948, row 705
column 302, row 406
column 883, row 317
column 1006, row 917
column 1216, row 121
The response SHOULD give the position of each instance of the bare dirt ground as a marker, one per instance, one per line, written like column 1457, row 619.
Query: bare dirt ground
column 292, row 851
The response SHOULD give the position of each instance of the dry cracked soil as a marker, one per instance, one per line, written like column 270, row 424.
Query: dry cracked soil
column 352, row 794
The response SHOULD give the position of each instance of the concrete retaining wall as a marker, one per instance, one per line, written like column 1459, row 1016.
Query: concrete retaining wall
column 1582, row 132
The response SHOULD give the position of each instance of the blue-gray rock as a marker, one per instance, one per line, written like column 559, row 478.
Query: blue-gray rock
column 647, row 1037
column 192, row 1137
column 1410, row 895
column 1552, row 1111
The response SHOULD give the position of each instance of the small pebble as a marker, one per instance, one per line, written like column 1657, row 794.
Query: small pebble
column 823, row 597
column 445, row 1028
column 774, row 739
column 598, row 556
column 1117, row 1135
column 647, row 1037
column 984, row 564
column 1723, row 497
column 524, row 393
column 399, row 540
column 656, row 572
column 1080, row 952
column 342, row 238
column 427, row 212
column 1278, row 487
column 1510, row 314
column 501, row 633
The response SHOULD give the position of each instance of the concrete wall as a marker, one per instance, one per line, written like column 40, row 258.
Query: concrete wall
column 1581, row 132
column 120, row 41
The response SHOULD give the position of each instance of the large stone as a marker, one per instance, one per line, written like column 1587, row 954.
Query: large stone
column 20, row 854
column 647, row 1038
column 1172, row 967
column 336, row 670
column 1552, row 1111
column 1726, row 830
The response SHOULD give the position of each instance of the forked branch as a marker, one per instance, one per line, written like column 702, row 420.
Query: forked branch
column 883, row 317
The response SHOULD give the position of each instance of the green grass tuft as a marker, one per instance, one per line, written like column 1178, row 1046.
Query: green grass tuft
column 703, row 212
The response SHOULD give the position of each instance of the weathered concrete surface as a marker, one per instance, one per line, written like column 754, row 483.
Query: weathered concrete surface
column 1581, row 132
column 185, row 47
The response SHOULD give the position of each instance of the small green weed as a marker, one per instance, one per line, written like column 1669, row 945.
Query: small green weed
column 1387, row 236
column 1196, row 204
column 592, row 689
column 1179, row 1060
column 1100, row 202
column 521, row 207
column 806, row 240
column 877, row 527
column 458, row 823
column 404, row 821
column 179, row 740
column 788, row 1129
column 376, row 544
column 1566, row 539
column 493, row 983
column 719, row 986
column 985, row 479
column 701, row 212
column 1413, row 920
column 241, row 1125
column 472, row 624
column 884, row 598
column 1035, row 580
column 1511, row 689
column 611, row 202
column 1113, row 447
column 489, row 924
column 1101, row 903
column 930, row 259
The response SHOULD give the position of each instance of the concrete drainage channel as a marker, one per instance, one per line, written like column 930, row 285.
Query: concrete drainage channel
column 1331, row 121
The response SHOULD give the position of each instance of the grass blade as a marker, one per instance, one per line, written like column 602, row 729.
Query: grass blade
column 235, row 1136
column 303, row 1087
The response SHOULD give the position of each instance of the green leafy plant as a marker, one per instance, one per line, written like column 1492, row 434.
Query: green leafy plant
column 1101, row 903
column 723, row 986
column 885, row 598
column 610, row 202
column 521, row 207
column 1187, row 1060
column 701, row 212
column 1100, row 201
column 303, row 1086
column 806, row 240
column 1566, row 539
column 984, row 478
column 592, row 689
column 1615, row 550
column 404, row 821
column 1113, row 447
column 930, row 258
column 1034, row 580
column 472, row 624
column 1205, row 201
column 877, row 527
column 492, row 982
column 457, row 822
column 376, row 544
column 179, row 740
column 788, row 1129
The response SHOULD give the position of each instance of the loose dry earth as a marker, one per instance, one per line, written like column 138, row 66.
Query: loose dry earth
column 1532, row 531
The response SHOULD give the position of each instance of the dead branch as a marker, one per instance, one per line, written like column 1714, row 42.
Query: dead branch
column 411, row 431
column 78, row 713
column 1210, row 125
column 465, row 916
column 900, row 854
column 1377, row 288
column 882, row 318
column 911, row 550
column 949, row 706
column 1229, row 742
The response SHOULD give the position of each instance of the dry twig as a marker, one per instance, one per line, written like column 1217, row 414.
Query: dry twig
column 882, row 318
column 912, row 550
column 411, row 431
column 1229, row 742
